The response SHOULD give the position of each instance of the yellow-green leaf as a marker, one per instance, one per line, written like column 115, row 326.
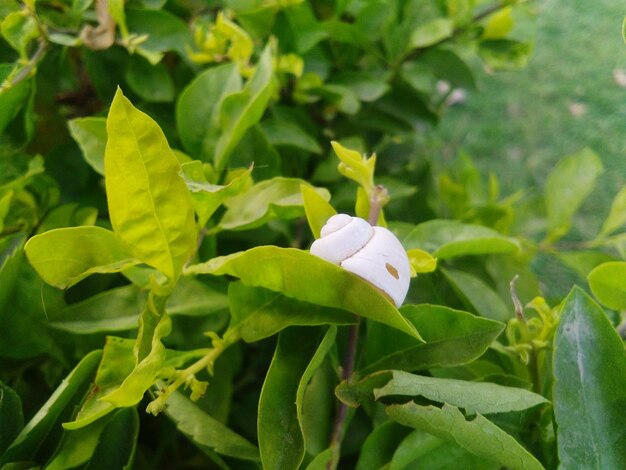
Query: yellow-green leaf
column 317, row 209
column 149, row 205
column 64, row 256
column 421, row 261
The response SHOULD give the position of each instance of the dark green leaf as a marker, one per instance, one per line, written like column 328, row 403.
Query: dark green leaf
column 452, row 338
column 280, row 438
column 11, row 416
column 479, row 436
column 206, row 432
column 589, row 387
column 66, row 396
column 116, row 448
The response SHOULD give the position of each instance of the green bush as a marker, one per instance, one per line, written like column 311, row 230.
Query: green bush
column 164, row 168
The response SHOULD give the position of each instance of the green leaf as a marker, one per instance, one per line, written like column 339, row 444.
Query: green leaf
column 568, row 185
column 11, row 416
column 198, row 108
column 473, row 397
column 259, row 313
column 5, row 205
column 64, row 256
column 270, row 199
column 505, row 54
column 65, row 397
column 447, row 65
column 478, row 295
column 422, row 451
column 452, row 338
column 116, row 364
column 116, row 448
column 153, row 83
column 19, row 28
column 432, row 32
column 421, row 261
column 207, row 197
column 149, row 353
column 113, row 310
column 280, row 438
column 77, row 446
column 315, row 409
column 479, row 436
column 446, row 239
column 617, row 215
column 306, row 277
column 12, row 99
column 243, row 109
column 589, row 387
column 607, row 284
column 149, row 205
column 164, row 31
column 205, row 432
column 317, row 209
column 11, row 256
column 380, row 445
column 286, row 133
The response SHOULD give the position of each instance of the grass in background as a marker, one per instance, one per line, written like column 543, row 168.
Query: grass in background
column 518, row 124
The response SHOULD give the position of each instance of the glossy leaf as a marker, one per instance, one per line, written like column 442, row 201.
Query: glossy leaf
column 259, row 313
column 207, row 197
column 446, row 239
column 11, row 416
column 452, row 338
column 567, row 186
column 589, row 387
column 479, row 436
column 205, row 432
column 64, row 256
column 149, row 205
column 280, row 438
column 90, row 134
column 473, row 397
column 275, row 198
column 163, row 30
column 317, row 209
column 306, row 277
column 479, row 295
column 243, row 109
column 198, row 108
column 617, row 215
column 607, row 284
column 67, row 395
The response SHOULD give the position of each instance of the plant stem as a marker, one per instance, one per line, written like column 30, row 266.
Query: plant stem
column 378, row 197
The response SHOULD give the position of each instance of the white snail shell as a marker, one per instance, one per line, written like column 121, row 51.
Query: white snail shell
column 372, row 253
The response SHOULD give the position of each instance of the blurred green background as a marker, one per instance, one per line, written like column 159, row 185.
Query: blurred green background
column 571, row 95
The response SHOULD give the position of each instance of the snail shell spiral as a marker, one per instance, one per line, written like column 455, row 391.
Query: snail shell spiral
column 372, row 253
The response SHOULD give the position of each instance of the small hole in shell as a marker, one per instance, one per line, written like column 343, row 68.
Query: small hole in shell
column 393, row 271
